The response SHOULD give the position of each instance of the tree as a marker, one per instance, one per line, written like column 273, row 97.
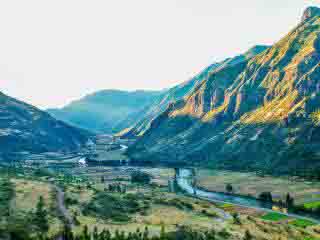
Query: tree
column 162, row 233
column 140, row 177
column 67, row 233
column 236, row 218
column 266, row 197
column 146, row 233
column 85, row 233
column 229, row 188
column 289, row 201
column 40, row 216
column 95, row 233
column 247, row 235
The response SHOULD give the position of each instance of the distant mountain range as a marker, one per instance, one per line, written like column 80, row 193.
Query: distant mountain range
column 24, row 128
column 257, row 111
column 107, row 111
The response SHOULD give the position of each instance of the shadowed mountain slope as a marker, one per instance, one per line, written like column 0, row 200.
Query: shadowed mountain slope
column 24, row 128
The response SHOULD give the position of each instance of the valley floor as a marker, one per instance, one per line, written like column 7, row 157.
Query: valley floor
column 251, row 184
column 151, row 205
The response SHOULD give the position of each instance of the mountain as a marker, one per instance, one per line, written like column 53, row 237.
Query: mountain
column 130, row 113
column 24, row 128
column 106, row 111
column 262, row 112
column 180, row 91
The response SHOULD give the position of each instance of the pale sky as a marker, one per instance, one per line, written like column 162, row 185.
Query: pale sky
column 52, row 52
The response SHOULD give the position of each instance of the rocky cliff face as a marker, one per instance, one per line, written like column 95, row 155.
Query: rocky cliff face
column 24, row 128
column 261, row 112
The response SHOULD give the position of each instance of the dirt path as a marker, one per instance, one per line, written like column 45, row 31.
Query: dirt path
column 62, row 208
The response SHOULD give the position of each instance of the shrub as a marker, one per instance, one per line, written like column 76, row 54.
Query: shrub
column 140, row 177
column 266, row 197
column 113, row 207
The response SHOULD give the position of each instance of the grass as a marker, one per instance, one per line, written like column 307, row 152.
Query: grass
column 6, row 194
column 28, row 193
column 247, row 183
column 274, row 217
column 116, row 207
column 303, row 223
column 312, row 205
column 226, row 205
column 167, row 209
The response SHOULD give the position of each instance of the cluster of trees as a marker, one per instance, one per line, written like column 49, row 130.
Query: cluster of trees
column 18, row 227
column 267, row 197
column 183, row 233
column 229, row 188
column 116, row 187
column 40, row 216
column 289, row 203
column 140, row 177
column 6, row 194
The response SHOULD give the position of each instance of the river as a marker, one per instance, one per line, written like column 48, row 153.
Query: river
column 185, row 178
column 184, row 181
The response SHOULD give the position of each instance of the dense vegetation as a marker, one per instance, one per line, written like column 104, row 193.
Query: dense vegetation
column 183, row 233
column 116, row 207
column 6, row 194
column 140, row 177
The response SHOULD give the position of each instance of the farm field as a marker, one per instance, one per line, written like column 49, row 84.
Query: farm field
column 252, row 185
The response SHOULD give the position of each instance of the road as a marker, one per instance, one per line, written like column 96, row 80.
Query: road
column 62, row 208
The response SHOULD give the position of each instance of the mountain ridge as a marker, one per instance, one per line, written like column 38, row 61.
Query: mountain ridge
column 180, row 91
column 25, row 128
column 250, row 115
column 106, row 111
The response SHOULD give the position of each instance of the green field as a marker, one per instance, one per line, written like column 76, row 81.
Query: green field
column 312, row 205
column 302, row 223
column 251, row 184
column 274, row 217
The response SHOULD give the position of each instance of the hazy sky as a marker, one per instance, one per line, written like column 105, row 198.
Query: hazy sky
column 52, row 52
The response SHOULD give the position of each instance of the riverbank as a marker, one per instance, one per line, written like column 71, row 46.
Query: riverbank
column 185, row 182
column 250, row 184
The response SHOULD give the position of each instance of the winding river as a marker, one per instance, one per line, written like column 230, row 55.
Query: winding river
column 184, row 181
